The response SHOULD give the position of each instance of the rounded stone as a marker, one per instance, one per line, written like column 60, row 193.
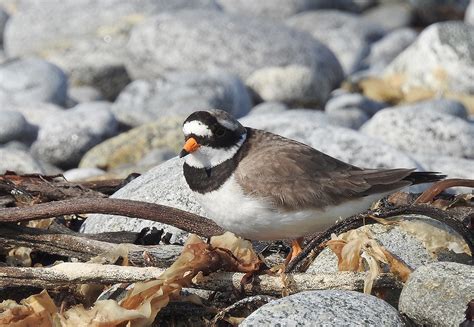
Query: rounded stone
column 440, row 60
column 437, row 294
column 423, row 132
column 325, row 308
column 390, row 16
column 164, row 184
column 441, row 105
column 432, row 11
column 343, row 100
column 347, row 35
column 81, row 174
column 19, row 161
column 13, row 126
column 33, row 80
column 64, row 138
column 181, row 93
column 193, row 40
column 269, row 107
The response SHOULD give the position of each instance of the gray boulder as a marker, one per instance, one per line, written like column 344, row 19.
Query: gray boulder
column 318, row 130
column 203, row 40
column 423, row 132
column 181, row 93
column 437, row 294
column 450, row 166
column 32, row 80
column 163, row 184
column 19, row 161
column 36, row 113
column 352, row 118
column 440, row 60
column 325, row 308
column 385, row 50
column 80, row 94
column 91, row 46
column 347, row 35
column 13, row 126
column 64, row 138
column 390, row 15
column 4, row 16
column 268, row 108
column 469, row 16
column 440, row 105
column 342, row 100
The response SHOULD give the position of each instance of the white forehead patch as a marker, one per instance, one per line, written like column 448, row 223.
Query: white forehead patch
column 197, row 128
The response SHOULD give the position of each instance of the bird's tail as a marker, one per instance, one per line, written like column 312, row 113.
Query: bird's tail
column 420, row 177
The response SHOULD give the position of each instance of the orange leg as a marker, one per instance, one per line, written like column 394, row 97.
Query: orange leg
column 295, row 249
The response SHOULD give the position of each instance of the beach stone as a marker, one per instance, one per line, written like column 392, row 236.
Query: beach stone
column 19, row 161
column 432, row 11
column 64, row 138
column 450, row 166
column 32, row 80
column 325, row 308
column 437, row 294
column 81, row 174
column 385, row 50
column 440, row 60
column 347, row 35
column 13, row 126
column 424, row 132
column 390, row 16
column 91, row 46
column 316, row 129
column 268, row 108
column 352, row 118
column 192, row 40
column 163, row 184
column 132, row 146
column 80, row 94
column 440, row 105
column 181, row 93
column 344, row 100
column 35, row 113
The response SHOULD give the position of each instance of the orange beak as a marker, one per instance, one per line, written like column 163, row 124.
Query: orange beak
column 190, row 146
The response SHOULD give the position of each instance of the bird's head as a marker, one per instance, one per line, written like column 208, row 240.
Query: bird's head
column 211, row 137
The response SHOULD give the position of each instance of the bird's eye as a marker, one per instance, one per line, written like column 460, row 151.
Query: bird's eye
column 220, row 132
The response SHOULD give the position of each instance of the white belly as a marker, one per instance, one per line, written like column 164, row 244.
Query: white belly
column 255, row 219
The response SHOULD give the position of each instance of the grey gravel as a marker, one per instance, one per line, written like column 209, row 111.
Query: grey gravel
column 437, row 294
column 325, row 308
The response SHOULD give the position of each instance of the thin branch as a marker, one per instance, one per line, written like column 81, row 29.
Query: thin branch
column 438, row 187
column 66, row 274
column 134, row 209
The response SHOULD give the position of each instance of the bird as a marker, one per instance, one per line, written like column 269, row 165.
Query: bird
column 263, row 186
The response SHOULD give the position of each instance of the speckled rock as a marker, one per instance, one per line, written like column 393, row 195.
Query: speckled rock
column 440, row 60
column 295, row 85
column 385, row 50
column 80, row 94
column 432, row 11
column 4, row 16
column 423, row 132
column 192, row 40
column 91, row 46
column 325, row 308
column 35, row 113
column 134, row 145
column 268, row 107
column 64, row 138
column 78, row 174
column 163, row 184
column 346, row 34
column 390, row 16
column 438, row 294
column 316, row 129
column 13, row 126
column 441, row 105
column 451, row 166
column 352, row 118
column 341, row 100
column 415, row 250
column 32, row 80
column 181, row 93
column 19, row 161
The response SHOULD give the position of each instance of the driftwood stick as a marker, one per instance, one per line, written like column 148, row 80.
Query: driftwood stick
column 438, row 187
column 66, row 274
column 135, row 209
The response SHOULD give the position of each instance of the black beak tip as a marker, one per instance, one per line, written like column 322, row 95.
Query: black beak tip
column 183, row 153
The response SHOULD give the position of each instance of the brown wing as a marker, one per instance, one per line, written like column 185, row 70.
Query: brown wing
column 296, row 176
